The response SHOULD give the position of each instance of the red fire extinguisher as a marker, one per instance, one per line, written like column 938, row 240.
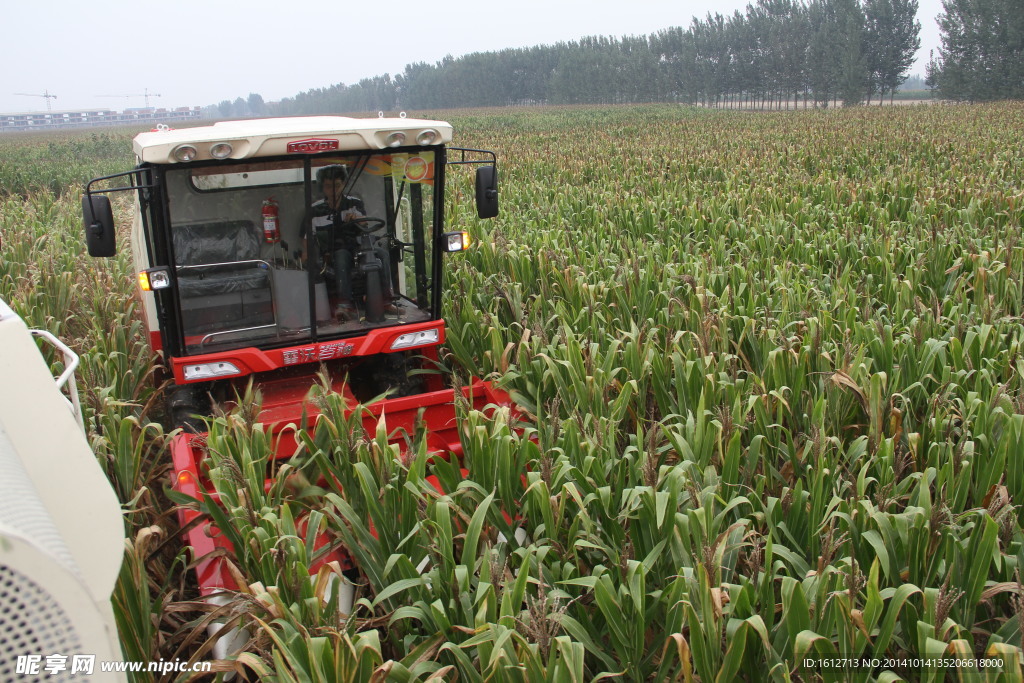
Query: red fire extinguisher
column 271, row 229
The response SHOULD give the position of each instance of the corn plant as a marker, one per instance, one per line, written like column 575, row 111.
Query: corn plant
column 772, row 379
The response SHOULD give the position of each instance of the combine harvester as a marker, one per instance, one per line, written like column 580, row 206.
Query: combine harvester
column 61, row 532
column 234, row 292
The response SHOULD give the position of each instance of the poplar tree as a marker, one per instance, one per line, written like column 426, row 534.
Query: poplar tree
column 853, row 69
column 982, row 53
column 891, row 39
column 824, row 65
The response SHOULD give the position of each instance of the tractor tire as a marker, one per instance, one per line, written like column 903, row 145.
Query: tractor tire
column 186, row 404
column 393, row 374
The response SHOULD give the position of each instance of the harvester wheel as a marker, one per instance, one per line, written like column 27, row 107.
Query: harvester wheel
column 394, row 375
column 186, row 404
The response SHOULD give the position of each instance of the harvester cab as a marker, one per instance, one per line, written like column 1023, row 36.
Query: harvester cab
column 274, row 250
column 244, row 263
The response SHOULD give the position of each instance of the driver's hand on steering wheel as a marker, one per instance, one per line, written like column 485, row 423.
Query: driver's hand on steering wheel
column 365, row 224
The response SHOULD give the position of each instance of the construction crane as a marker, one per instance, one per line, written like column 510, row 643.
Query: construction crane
column 46, row 94
column 144, row 94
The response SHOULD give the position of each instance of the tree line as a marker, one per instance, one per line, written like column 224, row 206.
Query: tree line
column 982, row 54
column 240, row 108
column 775, row 54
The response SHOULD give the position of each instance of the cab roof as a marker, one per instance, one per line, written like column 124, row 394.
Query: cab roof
column 272, row 137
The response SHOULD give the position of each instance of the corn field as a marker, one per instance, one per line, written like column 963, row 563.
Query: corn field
column 772, row 379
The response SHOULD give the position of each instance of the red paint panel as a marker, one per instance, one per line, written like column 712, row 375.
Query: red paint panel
column 251, row 359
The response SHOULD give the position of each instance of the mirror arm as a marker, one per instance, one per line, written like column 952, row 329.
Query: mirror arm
column 491, row 160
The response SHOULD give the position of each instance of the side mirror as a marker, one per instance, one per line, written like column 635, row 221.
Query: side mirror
column 98, row 219
column 486, row 191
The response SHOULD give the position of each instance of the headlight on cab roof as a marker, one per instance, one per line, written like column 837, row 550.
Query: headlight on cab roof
column 412, row 339
column 221, row 150
column 185, row 153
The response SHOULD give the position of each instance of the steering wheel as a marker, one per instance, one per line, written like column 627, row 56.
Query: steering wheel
column 367, row 224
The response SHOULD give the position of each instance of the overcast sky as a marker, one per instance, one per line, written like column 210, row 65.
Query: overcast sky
column 199, row 52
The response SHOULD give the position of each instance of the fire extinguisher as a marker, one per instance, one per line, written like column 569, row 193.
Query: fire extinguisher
column 271, row 229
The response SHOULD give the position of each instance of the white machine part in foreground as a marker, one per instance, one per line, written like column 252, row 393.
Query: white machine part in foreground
column 61, row 531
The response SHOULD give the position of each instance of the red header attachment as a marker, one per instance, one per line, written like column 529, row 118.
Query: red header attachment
column 312, row 146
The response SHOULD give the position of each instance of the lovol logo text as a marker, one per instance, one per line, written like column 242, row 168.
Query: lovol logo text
column 312, row 146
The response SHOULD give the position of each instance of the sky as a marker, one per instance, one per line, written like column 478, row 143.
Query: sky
column 109, row 53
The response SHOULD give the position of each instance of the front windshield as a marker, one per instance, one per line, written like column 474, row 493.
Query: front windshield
column 257, row 247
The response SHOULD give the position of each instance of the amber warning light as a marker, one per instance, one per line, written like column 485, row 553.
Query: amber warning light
column 312, row 146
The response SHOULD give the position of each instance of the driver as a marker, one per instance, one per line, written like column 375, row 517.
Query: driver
column 335, row 234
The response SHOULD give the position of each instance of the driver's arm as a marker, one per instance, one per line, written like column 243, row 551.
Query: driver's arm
column 351, row 213
column 355, row 209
